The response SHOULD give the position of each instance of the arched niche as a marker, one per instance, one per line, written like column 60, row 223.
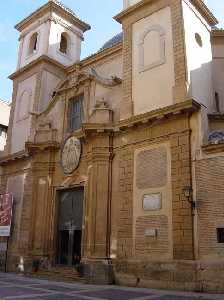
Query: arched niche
column 152, row 48
column 24, row 105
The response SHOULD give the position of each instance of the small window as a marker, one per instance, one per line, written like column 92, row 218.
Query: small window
column 220, row 235
column 217, row 102
column 33, row 43
column 64, row 43
column 3, row 132
column 75, row 113
column 198, row 39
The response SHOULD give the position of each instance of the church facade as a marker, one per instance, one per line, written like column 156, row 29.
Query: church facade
column 116, row 161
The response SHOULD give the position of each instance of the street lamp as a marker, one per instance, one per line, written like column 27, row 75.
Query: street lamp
column 188, row 193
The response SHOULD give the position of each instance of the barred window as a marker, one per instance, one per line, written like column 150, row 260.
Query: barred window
column 75, row 113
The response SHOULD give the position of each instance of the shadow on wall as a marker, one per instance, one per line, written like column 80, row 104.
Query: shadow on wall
column 201, row 90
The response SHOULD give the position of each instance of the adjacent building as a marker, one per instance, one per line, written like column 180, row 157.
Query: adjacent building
column 4, row 121
column 116, row 161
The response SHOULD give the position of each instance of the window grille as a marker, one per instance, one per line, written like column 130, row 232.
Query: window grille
column 76, row 113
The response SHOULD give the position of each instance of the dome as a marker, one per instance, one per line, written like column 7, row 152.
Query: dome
column 216, row 137
column 113, row 41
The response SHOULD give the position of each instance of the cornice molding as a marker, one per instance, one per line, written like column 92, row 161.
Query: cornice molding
column 205, row 12
column 13, row 157
column 30, row 148
column 216, row 117
column 213, row 148
column 39, row 147
column 198, row 4
column 217, row 33
column 56, row 21
column 52, row 6
column 187, row 107
column 94, row 58
column 41, row 59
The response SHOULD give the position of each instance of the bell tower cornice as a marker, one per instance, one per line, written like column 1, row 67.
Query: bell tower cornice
column 198, row 4
column 50, row 8
column 54, row 19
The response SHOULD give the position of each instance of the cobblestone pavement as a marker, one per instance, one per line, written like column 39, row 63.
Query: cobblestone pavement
column 18, row 287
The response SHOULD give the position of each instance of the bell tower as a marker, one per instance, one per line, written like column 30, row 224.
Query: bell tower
column 167, row 54
column 52, row 30
column 50, row 41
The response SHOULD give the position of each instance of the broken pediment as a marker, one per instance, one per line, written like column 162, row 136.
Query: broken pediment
column 79, row 77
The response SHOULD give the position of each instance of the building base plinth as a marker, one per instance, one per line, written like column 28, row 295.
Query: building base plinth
column 97, row 271
column 194, row 276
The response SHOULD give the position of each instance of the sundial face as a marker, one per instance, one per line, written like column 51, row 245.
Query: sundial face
column 71, row 154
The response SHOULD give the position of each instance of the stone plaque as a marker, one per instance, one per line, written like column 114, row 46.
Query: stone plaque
column 150, row 232
column 152, row 202
column 70, row 154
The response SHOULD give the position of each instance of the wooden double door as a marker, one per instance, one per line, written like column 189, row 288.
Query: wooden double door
column 70, row 217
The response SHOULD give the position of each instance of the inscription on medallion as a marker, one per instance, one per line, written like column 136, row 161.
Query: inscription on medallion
column 152, row 202
column 70, row 155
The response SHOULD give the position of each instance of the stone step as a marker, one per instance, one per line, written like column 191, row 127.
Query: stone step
column 59, row 274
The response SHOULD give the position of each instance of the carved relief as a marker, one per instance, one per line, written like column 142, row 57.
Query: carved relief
column 151, row 168
column 70, row 155
column 151, row 48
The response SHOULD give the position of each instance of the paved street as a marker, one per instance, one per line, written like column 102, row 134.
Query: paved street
column 18, row 287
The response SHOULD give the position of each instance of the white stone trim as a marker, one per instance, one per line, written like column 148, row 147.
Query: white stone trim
column 54, row 19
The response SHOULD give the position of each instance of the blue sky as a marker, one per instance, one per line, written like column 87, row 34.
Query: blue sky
column 98, row 13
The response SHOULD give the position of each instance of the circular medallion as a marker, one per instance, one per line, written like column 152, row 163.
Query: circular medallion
column 70, row 154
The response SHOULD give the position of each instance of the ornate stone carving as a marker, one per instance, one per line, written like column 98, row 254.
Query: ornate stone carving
column 70, row 155
column 81, row 76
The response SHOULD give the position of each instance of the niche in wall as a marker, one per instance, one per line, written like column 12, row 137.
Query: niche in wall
column 23, row 105
column 151, row 48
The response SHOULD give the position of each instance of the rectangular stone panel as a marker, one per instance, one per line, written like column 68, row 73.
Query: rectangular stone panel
column 152, row 202
column 151, row 168
column 155, row 244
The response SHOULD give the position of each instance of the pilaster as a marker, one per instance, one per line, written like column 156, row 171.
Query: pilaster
column 98, row 210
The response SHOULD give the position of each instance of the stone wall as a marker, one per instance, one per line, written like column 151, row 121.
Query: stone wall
column 148, row 246
column 210, row 206
column 177, row 133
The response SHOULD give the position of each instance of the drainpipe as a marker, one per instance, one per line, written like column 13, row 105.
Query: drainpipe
column 189, row 194
column 109, row 197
